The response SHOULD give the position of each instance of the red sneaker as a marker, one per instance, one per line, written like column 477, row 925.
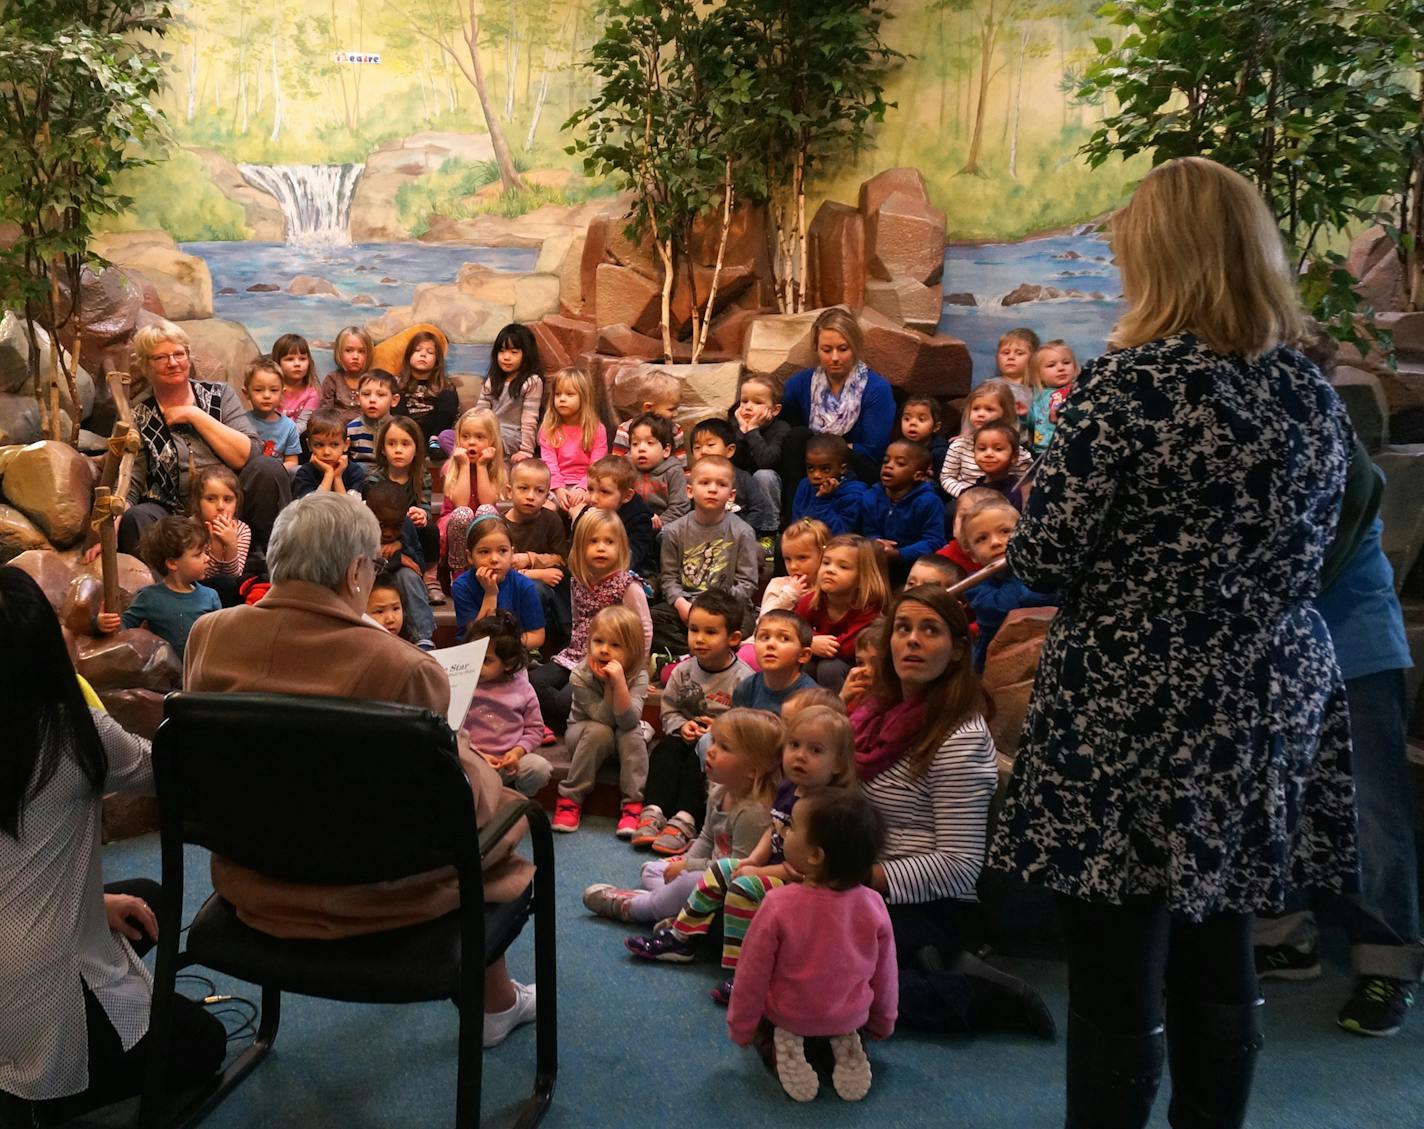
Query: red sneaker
column 548, row 738
column 567, row 815
column 628, row 821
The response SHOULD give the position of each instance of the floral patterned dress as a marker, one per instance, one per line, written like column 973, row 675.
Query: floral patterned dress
column 1188, row 735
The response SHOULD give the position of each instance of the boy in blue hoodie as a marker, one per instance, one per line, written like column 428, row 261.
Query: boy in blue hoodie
column 826, row 494
column 987, row 529
column 903, row 515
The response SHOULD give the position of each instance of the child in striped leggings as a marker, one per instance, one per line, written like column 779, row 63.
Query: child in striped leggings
column 818, row 754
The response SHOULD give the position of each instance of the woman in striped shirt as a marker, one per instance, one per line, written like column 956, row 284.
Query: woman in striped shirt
column 927, row 762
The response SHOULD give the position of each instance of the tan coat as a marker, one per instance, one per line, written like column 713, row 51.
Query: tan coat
column 304, row 639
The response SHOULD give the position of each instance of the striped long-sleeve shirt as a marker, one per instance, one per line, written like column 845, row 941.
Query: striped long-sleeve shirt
column 960, row 471
column 936, row 822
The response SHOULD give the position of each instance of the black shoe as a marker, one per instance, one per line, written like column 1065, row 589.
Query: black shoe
column 1212, row 1049
column 1112, row 1079
column 1378, row 1006
column 1286, row 962
column 1003, row 1002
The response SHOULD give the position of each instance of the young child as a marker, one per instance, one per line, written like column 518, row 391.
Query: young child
column 571, row 437
column 385, row 605
column 902, row 513
column 514, row 390
column 426, row 394
column 850, row 592
column 598, row 578
column 661, row 482
column 352, row 351
column 708, row 548
column 664, row 397
column 744, row 745
column 400, row 458
column 802, row 544
column 1051, row 374
column 869, row 645
column 609, row 687
column 699, row 690
column 175, row 548
column 996, row 453
column 742, row 761
column 330, row 467
column 277, row 433
column 541, row 543
column 1015, row 348
column 491, row 583
column 214, row 498
column 612, row 486
column 503, row 724
column 715, row 436
column 968, row 502
column 474, row 481
column 377, row 396
column 993, row 400
column 819, row 959
column 300, row 395
column 934, row 569
column 783, row 648
column 760, row 432
column 826, row 494
column 988, row 529
column 401, row 556
column 920, row 418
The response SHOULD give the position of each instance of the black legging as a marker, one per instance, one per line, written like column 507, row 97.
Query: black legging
column 1123, row 960
column 676, row 781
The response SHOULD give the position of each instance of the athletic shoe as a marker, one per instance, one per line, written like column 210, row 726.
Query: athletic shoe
column 851, row 1074
column 676, row 837
column 1377, row 1007
column 650, row 826
column 549, row 737
column 722, row 994
column 628, row 821
column 607, row 900
column 499, row 1025
column 1286, row 962
column 567, row 815
column 798, row 1077
column 665, row 945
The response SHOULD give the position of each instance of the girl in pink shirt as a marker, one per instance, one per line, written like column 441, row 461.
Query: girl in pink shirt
column 571, row 438
column 819, row 959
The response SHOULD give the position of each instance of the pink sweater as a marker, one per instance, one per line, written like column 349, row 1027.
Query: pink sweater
column 505, row 713
column 817, row 961
column 569, row 462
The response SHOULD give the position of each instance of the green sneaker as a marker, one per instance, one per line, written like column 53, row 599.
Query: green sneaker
column 1378, row 1006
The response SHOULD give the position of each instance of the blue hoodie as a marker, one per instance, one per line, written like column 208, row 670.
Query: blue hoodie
column 992, row 602
column 915, row 523
column 840, row 510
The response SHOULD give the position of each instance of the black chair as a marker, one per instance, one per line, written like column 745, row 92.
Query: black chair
column 328, row 791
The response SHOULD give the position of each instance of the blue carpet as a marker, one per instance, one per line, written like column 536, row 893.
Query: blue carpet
column 643, row 1046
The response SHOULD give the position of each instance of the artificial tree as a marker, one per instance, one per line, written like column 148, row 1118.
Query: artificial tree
column 1311, row 99
column 77, row 83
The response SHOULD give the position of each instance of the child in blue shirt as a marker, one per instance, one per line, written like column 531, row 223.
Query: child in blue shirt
column 783, row 648
column 177, row 547
column 903, row 514
column 377, row 394
column 277, row 433
column 987, row 530
column 826, row 494
column 491, row 583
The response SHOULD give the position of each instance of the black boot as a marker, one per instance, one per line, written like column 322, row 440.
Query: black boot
column 1112, row 1079
column 1213, row 1049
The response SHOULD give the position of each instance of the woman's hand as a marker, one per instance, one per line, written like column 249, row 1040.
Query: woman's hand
column 175, row 414
column 418, row 517
column 673, row 869
column 489, row 579
column 825, row 646
column 130, row 916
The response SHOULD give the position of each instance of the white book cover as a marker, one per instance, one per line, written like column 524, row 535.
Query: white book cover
column 462, row 664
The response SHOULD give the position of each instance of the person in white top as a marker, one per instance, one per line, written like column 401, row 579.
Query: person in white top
column 74, row 996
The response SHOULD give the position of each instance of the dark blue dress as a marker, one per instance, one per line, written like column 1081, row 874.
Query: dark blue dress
column 1188, row 735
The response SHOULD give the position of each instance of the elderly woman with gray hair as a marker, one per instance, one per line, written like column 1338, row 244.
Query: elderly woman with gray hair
column 185, row 425
column 310, row 635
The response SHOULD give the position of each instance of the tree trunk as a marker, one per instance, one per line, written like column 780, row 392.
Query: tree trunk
column 699, row 341
column 943, row 68
column 336, row 45
column 800, row 284
column 192, row 77
column 1018, row 109
column 665, row 254
column 276, row 91
column 988, row 32
column 538, row 104
column 508, row 176
column 511, row 66
column 1414, row 261
column 356, row 74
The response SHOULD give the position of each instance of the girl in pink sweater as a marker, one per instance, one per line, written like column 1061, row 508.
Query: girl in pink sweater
column 504, row 724
column 571, row 438
column 819, row 959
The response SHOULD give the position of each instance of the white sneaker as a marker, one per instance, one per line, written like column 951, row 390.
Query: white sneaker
column 798, row 1077
column 851, row 1075
column 499, row 1024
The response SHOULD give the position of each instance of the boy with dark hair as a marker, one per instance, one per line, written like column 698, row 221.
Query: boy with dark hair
column 826, row 494
column 902, row 513
column 377, row 393
column 715, row 436
column 661, row 481
column 175, row 548
column 331, row 467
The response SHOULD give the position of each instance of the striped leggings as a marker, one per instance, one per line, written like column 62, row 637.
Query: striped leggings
column 717, row 888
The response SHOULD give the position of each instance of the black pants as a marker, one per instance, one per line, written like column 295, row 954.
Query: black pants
column 676, row 781
column 266, row 488
column 1124, row 960
column 198, row 1045
column 669, row 631
column 931, row 1000
column 555, row 694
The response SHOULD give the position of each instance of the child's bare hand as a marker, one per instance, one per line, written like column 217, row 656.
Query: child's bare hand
column 684, row 608
column 390, row 549
column 673, row 869
column 418, row 517
column 550, row 576
column 108, row 622
column 889, row 548
column 828, row 486
column 825, row 646
column 613, row 671
column 857, row 683
column 91, row 554
column 488, row 578
column 691, row 731
column 520, row 456
column 459, row 458
column 657, row 523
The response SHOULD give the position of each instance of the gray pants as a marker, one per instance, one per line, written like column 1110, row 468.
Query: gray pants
column 590, row 743
column 529, row 776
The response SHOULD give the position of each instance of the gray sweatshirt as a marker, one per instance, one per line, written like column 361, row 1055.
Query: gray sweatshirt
column 727, row 834
column 697, row 556
column 591, row 704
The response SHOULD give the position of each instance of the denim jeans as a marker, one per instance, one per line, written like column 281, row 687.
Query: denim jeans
column 416, row 604
column 1382, row 920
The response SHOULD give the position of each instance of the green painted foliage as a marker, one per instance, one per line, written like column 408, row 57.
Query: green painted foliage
column 177, row 197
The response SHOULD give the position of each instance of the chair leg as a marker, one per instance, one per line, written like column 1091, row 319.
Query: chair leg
column 206, row 1100
column 469, row 1078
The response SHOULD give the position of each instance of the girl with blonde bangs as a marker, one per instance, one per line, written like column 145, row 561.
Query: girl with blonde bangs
column 1199, row 252
column 572, row 437
column 849, row 594
column 584, row 564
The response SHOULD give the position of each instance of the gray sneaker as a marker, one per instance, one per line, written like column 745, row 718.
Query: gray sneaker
column 607, row 900
column 677, row 835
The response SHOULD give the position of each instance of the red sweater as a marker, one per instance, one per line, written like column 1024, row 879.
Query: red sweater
column 845, row 629
column 955, row 552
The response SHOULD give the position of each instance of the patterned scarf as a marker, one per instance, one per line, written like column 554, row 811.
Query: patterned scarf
column 167, row 452
column 883, row 736
column 836, row 415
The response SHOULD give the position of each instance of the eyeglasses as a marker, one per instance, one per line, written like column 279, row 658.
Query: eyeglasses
column 168, row 358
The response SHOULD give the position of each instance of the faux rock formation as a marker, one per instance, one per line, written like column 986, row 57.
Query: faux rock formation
column 84, row 598
column 308, row 284
column 51, row 571
column 130, row 658
column 222, row 350
column 390, row 352
column 904, row 238
column 183, row 282
column 1010, row 667
column 1374, row 262
column 18, row 534
column 1364, row 399
column 907, row 302
column 918, row 364
column 836, row 256
column 1403, row 537
column 465, row 320
column 777, row 345
column 625, row 297
column 706, row 389
column 561, row 339
column 52, row 484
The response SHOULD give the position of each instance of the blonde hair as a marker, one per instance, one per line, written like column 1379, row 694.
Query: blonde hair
column 839, row 738
column 147, row 339
column 842, row 321
column 872, row 590
column 591, row 521
column 486, row 421
column 971, row 502
column 551, row 430
column 997, row 390
column 1035, row 363
column 661, row 387
column 805, row 527
column 757, row 735
column 362, row 336
column 626, row 629
column 1199, row 252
